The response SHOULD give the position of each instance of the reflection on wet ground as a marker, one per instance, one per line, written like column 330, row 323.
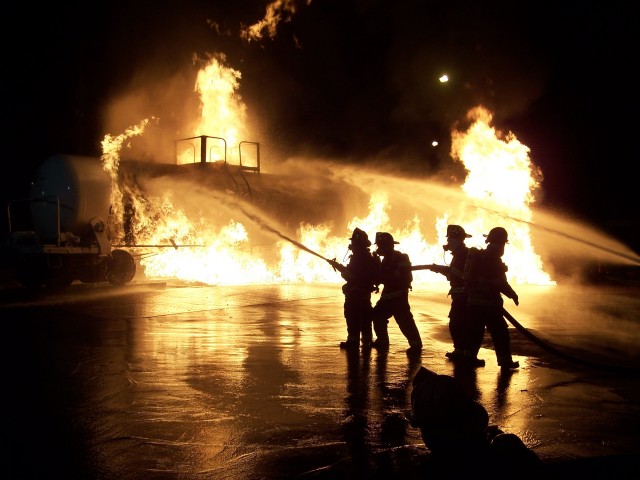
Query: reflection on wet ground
column 173, row 381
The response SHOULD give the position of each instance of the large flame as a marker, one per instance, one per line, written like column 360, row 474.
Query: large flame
column 222, row 111
column 501, row 179
column 213, row 246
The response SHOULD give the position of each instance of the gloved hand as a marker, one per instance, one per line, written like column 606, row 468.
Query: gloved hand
column 336, row 266
column 515, row 299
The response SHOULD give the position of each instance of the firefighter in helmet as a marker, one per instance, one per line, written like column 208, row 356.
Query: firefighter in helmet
column 459, row 325
column 395, row 275
column 359, row 274
column 485, row 276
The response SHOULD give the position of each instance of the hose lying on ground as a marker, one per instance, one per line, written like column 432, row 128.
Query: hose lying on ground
column 555, row 351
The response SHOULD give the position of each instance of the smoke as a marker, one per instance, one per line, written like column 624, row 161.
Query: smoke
column 172, row 101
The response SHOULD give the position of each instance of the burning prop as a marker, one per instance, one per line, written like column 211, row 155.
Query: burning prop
column 229, row 221
column 498, row 189
column 261, row 227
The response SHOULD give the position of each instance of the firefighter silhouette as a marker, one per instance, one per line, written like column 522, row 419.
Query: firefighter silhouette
column 485, row 277
column 460, row 327
column 395, row 275
column 359, row 274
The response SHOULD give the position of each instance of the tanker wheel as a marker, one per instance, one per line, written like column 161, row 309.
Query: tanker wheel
column 121, row 267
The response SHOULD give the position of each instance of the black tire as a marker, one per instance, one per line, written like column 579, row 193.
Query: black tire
column 121, row 267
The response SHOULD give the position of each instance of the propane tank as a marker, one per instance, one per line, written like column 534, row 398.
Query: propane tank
column 81, row 188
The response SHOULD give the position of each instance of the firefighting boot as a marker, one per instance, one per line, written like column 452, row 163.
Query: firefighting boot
column 474, row 361
column 470, row 358
column 380, row 344
column 507, row 363
column 455, row 355
column 349, row 344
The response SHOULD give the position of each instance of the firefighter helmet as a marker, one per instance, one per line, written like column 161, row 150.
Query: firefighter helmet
column 456, row 231
column 384, row 238
column 360, row 237
column 498, row 235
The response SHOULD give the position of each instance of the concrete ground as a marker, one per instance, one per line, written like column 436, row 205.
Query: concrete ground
column 171, row 381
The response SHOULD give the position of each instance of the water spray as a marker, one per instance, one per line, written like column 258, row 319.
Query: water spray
column 265, row 226
column 262, row 224
column 634, row 259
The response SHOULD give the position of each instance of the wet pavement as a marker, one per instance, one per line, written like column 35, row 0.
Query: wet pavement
column 170, row 381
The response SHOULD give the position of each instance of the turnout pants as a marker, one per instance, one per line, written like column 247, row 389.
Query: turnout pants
column 490, row 316
column 357, row 313
column 398, row 308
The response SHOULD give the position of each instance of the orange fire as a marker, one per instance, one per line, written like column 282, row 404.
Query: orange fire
column 222, row 111
column 276, row 12
column 214, row 244
column 501, row 180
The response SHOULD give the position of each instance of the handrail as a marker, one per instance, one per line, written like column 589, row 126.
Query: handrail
column 257, row 167
column 204, row 151
column 203, row 146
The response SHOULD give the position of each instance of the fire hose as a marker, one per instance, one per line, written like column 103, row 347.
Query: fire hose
column 544, row 345
column 565, row 356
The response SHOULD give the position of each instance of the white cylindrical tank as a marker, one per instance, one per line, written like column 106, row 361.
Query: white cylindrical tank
column 80, row 185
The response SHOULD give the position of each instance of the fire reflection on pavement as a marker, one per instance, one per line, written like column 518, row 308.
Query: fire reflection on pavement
column 249, row 382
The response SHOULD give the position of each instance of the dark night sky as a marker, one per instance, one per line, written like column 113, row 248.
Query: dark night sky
column 349, row 79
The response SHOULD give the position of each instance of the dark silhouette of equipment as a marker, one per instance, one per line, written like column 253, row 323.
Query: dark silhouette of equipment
column 66, row 234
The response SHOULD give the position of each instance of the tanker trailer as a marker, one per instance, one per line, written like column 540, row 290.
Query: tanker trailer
column 68, row 237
